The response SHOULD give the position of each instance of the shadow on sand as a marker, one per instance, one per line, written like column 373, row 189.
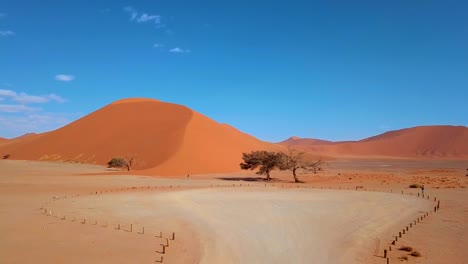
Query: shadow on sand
column 248, row 179
column 255, row 179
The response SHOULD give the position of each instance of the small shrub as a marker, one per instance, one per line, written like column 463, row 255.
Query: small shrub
column 7, row 156
column 116, row 163
column 406, row 248
column 415, row 253
column 415, row 185
column 403, row 258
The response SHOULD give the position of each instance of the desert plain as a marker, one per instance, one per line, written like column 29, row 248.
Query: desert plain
column 186, row 200
column 232, row 217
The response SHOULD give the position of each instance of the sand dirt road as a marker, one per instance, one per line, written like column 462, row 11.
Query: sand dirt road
column 258, row 225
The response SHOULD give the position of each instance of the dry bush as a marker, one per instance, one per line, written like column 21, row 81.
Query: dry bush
column 406, row 248
column 415, row 253
column 403, row 258
column 116, row 163
column 415, row 185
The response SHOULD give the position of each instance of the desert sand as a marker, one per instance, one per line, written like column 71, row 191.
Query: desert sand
column 282, row 222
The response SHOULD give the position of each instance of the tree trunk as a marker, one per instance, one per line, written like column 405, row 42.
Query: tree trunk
column 295, row 176
column 268, row 175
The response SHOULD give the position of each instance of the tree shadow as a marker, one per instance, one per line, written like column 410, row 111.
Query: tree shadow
column 247, row 179
column 257, row 179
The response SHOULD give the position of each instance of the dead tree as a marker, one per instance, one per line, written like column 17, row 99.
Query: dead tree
column 294, row 160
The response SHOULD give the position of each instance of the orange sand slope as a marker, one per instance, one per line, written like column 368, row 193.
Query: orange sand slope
column 164, row 138
column 417, row 142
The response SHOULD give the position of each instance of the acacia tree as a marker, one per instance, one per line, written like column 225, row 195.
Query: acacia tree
column 266, row 161
column 294, row 160
column 116, row 163
column 122, row 162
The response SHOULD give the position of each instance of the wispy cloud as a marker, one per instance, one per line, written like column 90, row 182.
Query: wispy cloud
column 64, row 77
column 35, row 99
column 179, row 50
column 19, row 113
column 6, row 33
column 56, row 98
column 17, row 108
column 158, row 45
column 143, row 17
column 7, row 93
column 133, row 13
column 24, row 98
column 14, row 124
column 147, row 18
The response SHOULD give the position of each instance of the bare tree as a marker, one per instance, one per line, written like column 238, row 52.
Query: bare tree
column 266, row 161
column 129, row 162
column 294, row 160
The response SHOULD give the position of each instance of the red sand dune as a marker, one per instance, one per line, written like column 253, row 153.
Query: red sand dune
column 164, row 138
column 25, row 136
column 297, row 141
column 417, row 142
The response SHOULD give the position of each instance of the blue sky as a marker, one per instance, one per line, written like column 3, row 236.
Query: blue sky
column 330, row 69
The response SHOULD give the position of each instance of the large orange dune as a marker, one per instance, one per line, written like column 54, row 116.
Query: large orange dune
column 163, row 138
column 416, row 142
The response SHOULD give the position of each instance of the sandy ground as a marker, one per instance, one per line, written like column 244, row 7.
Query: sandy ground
column 254, row 224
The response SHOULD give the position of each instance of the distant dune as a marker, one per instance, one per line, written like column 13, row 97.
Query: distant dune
column 25, row 136
column 164, row 139
column 297, row 141
column 417, row 142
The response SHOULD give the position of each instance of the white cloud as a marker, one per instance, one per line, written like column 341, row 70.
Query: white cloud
column 16, row 108
column 147, row 18
column 143, row 18
column 56, row 98
column 6, row 33
column 7, row 93
column 179, row 50
column 14, row 124
column 31, row 99
column 133, row 13
column 24, row 98
column 17, row 117
column 158, row 45
column 64, row 78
